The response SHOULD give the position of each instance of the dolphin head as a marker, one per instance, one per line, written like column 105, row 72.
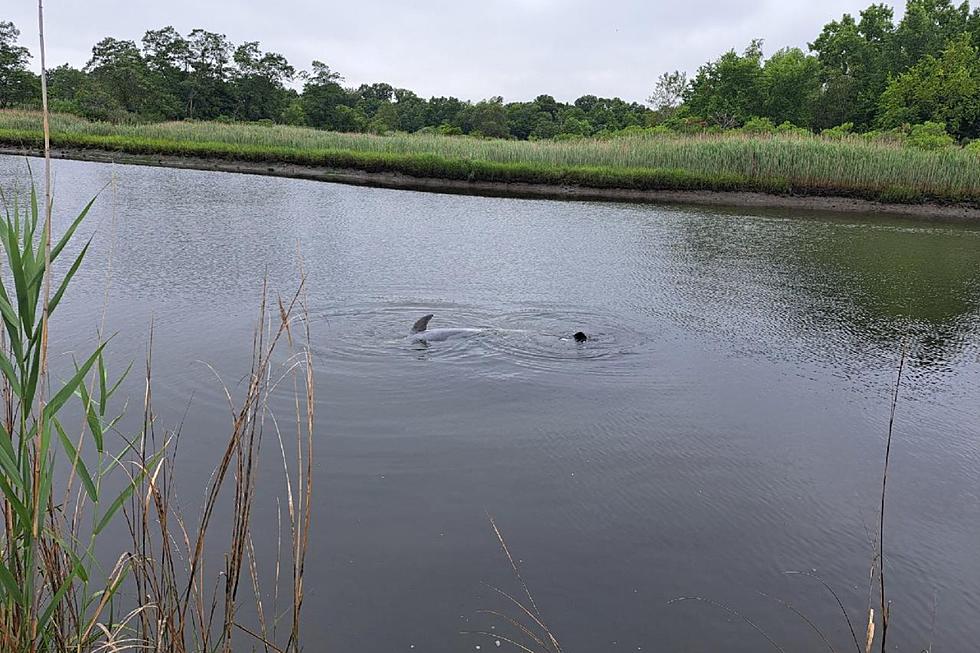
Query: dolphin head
column 580, row 337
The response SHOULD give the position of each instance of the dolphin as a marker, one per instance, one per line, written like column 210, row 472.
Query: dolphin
column 421, row 332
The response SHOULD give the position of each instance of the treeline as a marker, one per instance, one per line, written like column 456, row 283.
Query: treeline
column 203, row 76
column 863, row 74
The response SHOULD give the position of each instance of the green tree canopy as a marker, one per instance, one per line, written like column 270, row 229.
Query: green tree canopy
column 17, row 83
column 943, row 90
column 729, row 90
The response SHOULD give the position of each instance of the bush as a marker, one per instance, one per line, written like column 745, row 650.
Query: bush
column 973, row 147
column 687, row 124
column 294, row 114
column 789, row 129
column 759, row 126
column 632, row 130
column 889, row 137
column 838, row 132
column 449, row 130
column 929, row 136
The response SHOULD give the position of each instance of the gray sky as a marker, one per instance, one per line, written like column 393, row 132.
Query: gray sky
column 472, row 49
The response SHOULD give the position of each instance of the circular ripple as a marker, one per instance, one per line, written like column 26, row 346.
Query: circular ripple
column 523, row 338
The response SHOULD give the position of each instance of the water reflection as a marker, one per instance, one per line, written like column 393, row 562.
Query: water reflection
column 853, row 292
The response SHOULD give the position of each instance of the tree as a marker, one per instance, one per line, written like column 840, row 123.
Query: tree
column 259, row 82
column 410, row 109
column 574, row 121
column 943, row 90
column 323, row 99
column 543, row 126
column 208, row 94
column 444, row 111
column 668, row 94
column 64, row 85
column 120, row 71
column 926, row 28
column 385, row 120
column 167, row 56
column 857, row 59
column 611, row 114
column 791, row 86
column 729, row 90
column 369, row 98
column 520, row 116
column 17, row 84
column 64, row 82
column 485, row 118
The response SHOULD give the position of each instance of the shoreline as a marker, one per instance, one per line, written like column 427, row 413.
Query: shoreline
column 521, row 190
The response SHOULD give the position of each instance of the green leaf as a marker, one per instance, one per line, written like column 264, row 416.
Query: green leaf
column 117, row 503
column 78, row 564
column 33, row 371
column 56, row 600
column 151, row 463
column 69, row 388
column 102, row 383
column 60, row 245
column 7, row 580
column 90, row 416
column 23, row 514
column 77, row 462
column 8, row 459
column 20, row 284
column 64, row 282
column 11, row 321
column 10, row 373
column 34, row 212
column 119, row 381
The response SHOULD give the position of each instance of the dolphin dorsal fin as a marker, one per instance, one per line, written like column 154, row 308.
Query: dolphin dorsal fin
column 421, row 324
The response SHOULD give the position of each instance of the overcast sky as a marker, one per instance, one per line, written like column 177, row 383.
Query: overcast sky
column 472, row 49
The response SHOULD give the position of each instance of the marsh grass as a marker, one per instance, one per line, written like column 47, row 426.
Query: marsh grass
column 805, row 165
column 185, row 608
column 531, row 633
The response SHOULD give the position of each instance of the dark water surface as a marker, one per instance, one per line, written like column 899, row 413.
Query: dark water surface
column 725, row 425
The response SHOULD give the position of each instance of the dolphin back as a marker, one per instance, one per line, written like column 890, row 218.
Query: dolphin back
column 421, row 324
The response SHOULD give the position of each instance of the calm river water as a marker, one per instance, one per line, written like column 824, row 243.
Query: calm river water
column 725, row 424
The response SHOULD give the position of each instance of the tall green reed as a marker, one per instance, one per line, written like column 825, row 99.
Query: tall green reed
column 49, row 597
column 64, row 486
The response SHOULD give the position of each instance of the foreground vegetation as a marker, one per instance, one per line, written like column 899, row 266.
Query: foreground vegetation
column 772, row 163
column 76, row 489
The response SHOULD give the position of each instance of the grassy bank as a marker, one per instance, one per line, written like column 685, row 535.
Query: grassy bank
column 799, row 165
